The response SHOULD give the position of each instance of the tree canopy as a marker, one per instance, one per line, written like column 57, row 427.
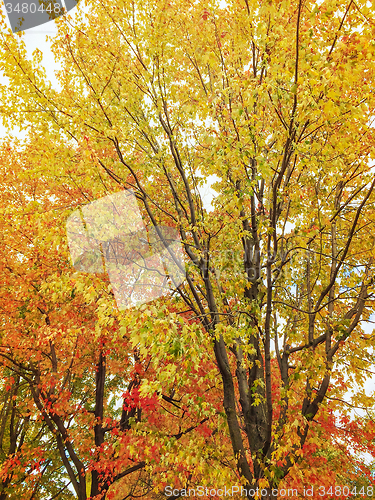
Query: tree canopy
column 240, row 376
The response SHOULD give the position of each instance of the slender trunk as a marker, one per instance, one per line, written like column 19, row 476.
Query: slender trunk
column 230, row 410
column 99, row 409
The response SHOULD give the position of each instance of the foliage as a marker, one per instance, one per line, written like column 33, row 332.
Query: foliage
column 275, row 101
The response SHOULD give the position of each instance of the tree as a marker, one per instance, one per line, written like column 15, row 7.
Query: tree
column 73, row 416
column 275, row 100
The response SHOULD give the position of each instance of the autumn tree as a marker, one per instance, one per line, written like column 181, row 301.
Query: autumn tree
column 273, row 102
column 74, row 422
